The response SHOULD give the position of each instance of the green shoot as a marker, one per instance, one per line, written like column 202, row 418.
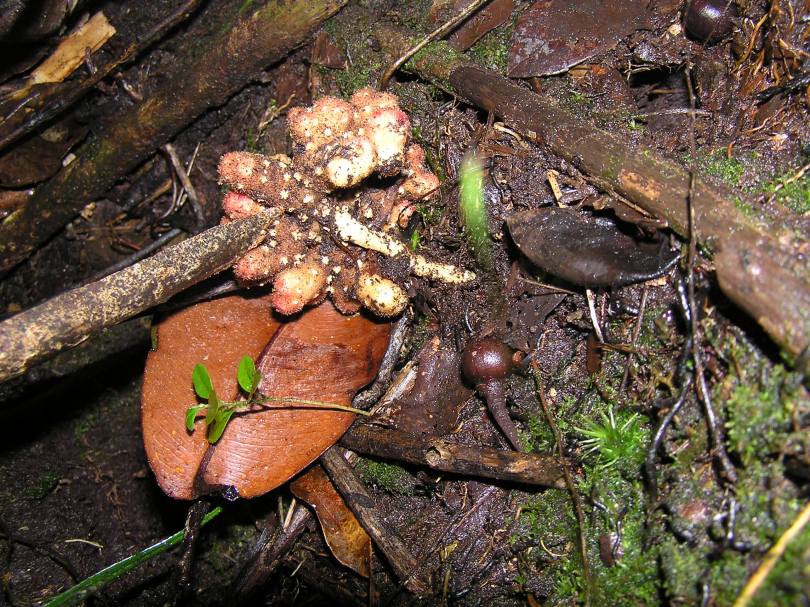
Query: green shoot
column 416, row 240
column 218, row 412
column 474, row 211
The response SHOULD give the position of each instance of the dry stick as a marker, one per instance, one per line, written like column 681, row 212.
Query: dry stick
column 362, row 505
column 569, row 482
column 445, row 456
column 437, row 33
column 72, row 317
column 207, row 75
column 182, row 175
column 716, row 433
column 255, row 573
column 771, row 558
column 41, row 106
column 636, row 330
column 758, row 268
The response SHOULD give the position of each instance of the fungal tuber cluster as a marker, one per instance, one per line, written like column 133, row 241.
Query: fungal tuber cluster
column 334, row 237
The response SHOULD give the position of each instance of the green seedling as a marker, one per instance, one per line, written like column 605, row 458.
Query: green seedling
column 218, row 412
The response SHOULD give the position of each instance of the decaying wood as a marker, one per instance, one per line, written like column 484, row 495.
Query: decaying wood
column 213, row 68
column 33, row 106
column 388, row 541
column 73, row 50
column 446, row 456
column 70, row 318
column 759, row 267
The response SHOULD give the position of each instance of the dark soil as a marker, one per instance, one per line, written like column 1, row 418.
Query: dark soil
column 660, row 527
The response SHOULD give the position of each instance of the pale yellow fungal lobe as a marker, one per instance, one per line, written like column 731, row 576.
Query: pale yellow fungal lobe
column 380, row 295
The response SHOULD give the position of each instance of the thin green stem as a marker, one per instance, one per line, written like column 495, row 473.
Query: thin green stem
column 311, row 404
column 76, row 594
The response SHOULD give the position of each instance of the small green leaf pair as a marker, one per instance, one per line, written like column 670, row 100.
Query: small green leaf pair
column 217, row 412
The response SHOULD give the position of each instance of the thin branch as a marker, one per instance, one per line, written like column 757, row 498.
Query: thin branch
column 70, row 318
column 361, row 504
column 636, row 330
column 446, row 456
column 182, row 175
column 137, row 256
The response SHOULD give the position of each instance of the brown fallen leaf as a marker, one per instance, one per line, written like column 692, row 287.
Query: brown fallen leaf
column 318, row 355
column 588, row 250
column 553, row 35
column 347, row 540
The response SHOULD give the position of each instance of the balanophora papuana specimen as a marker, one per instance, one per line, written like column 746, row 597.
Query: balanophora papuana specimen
column 334, row 237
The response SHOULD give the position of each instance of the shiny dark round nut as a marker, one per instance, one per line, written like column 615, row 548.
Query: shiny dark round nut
column 710, row 20
column 486, row 359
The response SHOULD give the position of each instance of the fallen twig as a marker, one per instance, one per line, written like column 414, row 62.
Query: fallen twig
column 361, row 504
column 182, row 175
column 72, row 317
column 437, row 33
column 270, row 552
column 443, row 455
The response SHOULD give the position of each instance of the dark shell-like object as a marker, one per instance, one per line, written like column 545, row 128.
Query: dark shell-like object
column 586, row 250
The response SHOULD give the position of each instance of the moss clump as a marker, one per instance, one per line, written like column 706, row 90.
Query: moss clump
column 356, row 76
column 492, row 51
column 717, row 164
column 794, row 195
column 86, row 422
column 760, row 400
column 388, row 477
column 683, row 568
column 621, row 516
column 745, row 207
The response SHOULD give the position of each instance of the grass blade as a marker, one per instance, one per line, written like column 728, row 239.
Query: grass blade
column 79, row 592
